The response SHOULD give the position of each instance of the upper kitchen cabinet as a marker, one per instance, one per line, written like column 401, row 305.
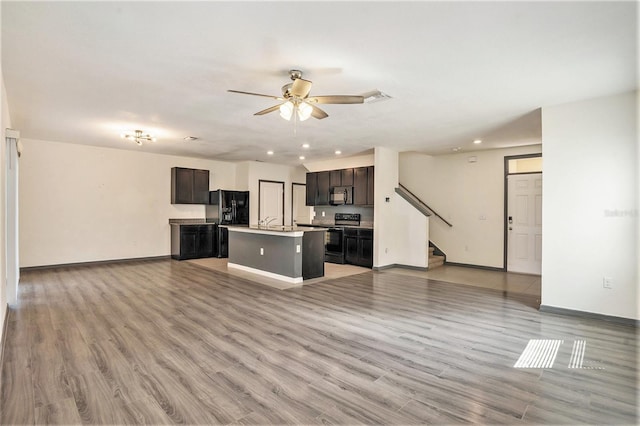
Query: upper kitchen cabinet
column 324, row 187
column 319, row 185
column 347, row 177
column 363, row 189
column 189, row 186
column 370, row 191
column 335, row 178
column 318, row 188
column 312, row 188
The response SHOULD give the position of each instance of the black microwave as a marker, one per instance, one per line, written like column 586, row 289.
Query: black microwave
column 340, row 195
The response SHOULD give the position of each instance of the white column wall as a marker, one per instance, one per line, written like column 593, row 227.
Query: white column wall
column 386, row 241
column 590, row 207
column 5, row 122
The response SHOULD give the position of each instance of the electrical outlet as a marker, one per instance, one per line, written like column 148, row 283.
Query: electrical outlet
column 297, row 248
column 607, row 282
column 261, row 251
column 323, row 213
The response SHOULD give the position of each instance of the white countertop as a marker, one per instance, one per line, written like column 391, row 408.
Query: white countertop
column 280, row 230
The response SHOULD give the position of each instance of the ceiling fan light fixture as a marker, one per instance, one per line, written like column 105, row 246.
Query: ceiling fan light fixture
column 286, row 110
column 304, row 111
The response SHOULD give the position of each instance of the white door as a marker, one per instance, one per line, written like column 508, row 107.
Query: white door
column 524, row 223
column 271, row 202
column 300, row 212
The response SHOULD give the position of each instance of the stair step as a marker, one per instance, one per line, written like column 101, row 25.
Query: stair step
column 435, row 261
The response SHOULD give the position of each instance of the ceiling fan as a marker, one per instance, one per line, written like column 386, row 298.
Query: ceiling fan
column 295, row 99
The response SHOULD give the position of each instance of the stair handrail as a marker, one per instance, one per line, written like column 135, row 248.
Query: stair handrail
column 425, row 205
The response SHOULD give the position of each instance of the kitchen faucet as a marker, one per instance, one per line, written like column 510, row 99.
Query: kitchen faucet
column 270, row 220
column 266, row 221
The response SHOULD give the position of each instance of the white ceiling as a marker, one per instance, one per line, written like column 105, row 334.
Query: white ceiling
column 83, row 72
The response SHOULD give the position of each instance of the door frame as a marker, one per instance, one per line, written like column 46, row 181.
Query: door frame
column 505, row 230
column 260, row 181
column 293, row 185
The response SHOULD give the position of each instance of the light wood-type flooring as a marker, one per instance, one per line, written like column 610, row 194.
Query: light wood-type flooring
column 163, row 342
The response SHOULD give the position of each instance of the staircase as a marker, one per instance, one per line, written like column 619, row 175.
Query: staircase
column 435, row 260
column 436, row 257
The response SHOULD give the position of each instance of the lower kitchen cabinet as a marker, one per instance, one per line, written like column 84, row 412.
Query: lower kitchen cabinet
column 193, row 241
column 358, row 247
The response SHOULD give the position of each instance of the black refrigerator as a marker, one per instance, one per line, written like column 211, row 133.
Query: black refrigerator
column 227, row 208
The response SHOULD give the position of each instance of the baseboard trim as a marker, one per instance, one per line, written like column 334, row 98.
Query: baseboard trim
column 399, row 265
column 589, row 315
column 94, row 263
column 468, row 265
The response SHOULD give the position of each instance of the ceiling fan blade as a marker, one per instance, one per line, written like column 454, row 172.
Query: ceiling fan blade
column 256, row 94
column 337, row 99
column 300, row 88
column 268, row 110
column 318, row 113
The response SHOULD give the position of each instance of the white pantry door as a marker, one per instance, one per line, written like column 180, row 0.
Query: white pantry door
column 300, row 212
column 271, row 202
column 524, row 223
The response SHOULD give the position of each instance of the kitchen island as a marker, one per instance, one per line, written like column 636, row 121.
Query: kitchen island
column 287, row 253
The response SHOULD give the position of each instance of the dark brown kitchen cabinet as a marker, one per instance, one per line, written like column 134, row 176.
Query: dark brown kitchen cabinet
column 370, row 188
column 363, row 188
column 358, row 247
column 360, row 186
column 189, row 186
column 312, row 188
column 347, row 177
column 193, row 241
column 335, row 178
column 324, row 185
column 319, row 185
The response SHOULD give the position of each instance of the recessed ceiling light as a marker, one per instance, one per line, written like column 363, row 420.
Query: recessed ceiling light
column 456, row 149
column 269, row 152
column 301, row 157
column 477, row 141
column 338, row 152
column 190, row 138
column 305, row 145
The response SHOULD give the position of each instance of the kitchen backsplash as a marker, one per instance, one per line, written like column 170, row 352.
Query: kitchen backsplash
column 366, row 214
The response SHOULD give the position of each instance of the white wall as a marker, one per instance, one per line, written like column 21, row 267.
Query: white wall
column 251, row 172
column 5, row 122
column 385, row 241
column 400, row 231
column 83, row 203
column 590, row 207
column 468, row 195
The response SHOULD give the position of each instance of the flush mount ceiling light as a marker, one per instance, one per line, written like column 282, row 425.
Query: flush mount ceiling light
column 138, row 136
column 190, row 138
column 477, row 141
